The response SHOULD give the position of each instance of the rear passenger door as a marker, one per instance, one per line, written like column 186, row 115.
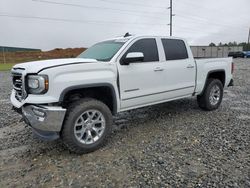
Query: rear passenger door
column 179, row 68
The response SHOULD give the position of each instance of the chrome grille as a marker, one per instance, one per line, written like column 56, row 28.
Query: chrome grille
column 17, row 80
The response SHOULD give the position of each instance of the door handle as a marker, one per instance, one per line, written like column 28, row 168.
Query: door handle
column 158, row 69
column 190, row 66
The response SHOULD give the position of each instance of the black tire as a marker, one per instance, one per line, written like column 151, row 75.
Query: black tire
column 203, row 99
column 73, row 113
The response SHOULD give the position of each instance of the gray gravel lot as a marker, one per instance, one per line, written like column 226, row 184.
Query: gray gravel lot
column 169, row 145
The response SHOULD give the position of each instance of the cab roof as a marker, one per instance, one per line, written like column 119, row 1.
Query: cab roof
column 131, row 37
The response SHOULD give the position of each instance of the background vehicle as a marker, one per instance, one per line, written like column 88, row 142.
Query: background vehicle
column 74, row 99
column 247, row 54
column 236, row 54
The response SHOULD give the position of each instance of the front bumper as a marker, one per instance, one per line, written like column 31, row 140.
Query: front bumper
column 46, row 121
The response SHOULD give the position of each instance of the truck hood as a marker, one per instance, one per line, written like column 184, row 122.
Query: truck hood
column 36, row 66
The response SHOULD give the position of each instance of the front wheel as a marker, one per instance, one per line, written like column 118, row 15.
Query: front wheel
column 87, row 124
column 212, row 96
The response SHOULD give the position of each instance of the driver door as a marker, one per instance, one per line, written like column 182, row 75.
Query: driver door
column 141, row 81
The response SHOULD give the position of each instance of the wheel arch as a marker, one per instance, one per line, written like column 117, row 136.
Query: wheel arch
column 94, row 91
column 219, row 74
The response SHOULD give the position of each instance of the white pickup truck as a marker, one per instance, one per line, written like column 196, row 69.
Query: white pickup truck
column 74, row 99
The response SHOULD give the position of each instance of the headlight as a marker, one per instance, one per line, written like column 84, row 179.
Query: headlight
column 38, row 84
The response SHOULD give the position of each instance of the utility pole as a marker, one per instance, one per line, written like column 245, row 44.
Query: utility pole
column 171, row 17
column 4, row 60
column 249, row 37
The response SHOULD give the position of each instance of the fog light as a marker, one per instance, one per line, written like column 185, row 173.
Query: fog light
column 38, row 112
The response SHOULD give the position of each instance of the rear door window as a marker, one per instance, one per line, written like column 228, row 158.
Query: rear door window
column 175, row 49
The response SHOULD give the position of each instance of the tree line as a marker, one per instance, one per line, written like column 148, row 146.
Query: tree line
column 246, row 46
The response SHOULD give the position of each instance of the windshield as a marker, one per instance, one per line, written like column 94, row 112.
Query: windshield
column 103, row 51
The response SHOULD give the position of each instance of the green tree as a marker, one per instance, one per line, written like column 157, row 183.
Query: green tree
column 246, row 46
column 212, row 44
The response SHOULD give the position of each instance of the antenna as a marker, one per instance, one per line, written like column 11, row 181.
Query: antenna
column 127, row 34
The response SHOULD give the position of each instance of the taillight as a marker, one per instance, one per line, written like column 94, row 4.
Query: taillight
column 232, row 68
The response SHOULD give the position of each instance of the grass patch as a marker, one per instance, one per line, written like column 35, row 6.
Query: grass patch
column 6, row 66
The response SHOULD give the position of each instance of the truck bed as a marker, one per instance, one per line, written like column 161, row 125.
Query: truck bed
column 208, row 65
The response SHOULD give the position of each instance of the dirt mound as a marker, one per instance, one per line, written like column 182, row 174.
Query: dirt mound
column 26, row 56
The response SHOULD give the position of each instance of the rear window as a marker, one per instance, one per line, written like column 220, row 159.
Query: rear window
column 174, row 49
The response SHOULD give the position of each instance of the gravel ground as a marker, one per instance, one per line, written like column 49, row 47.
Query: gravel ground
column 168, row 145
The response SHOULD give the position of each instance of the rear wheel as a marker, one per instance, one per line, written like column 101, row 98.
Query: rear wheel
column 212, row 96
column 87, row 125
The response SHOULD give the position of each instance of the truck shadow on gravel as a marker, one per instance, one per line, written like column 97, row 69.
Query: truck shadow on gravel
column 124, row 124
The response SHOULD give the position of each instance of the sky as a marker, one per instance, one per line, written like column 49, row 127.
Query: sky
column 49, row 24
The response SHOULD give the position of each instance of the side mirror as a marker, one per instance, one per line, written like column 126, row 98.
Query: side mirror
column 133, row 57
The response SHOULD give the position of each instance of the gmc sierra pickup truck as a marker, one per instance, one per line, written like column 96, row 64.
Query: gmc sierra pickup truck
column 74, row 99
